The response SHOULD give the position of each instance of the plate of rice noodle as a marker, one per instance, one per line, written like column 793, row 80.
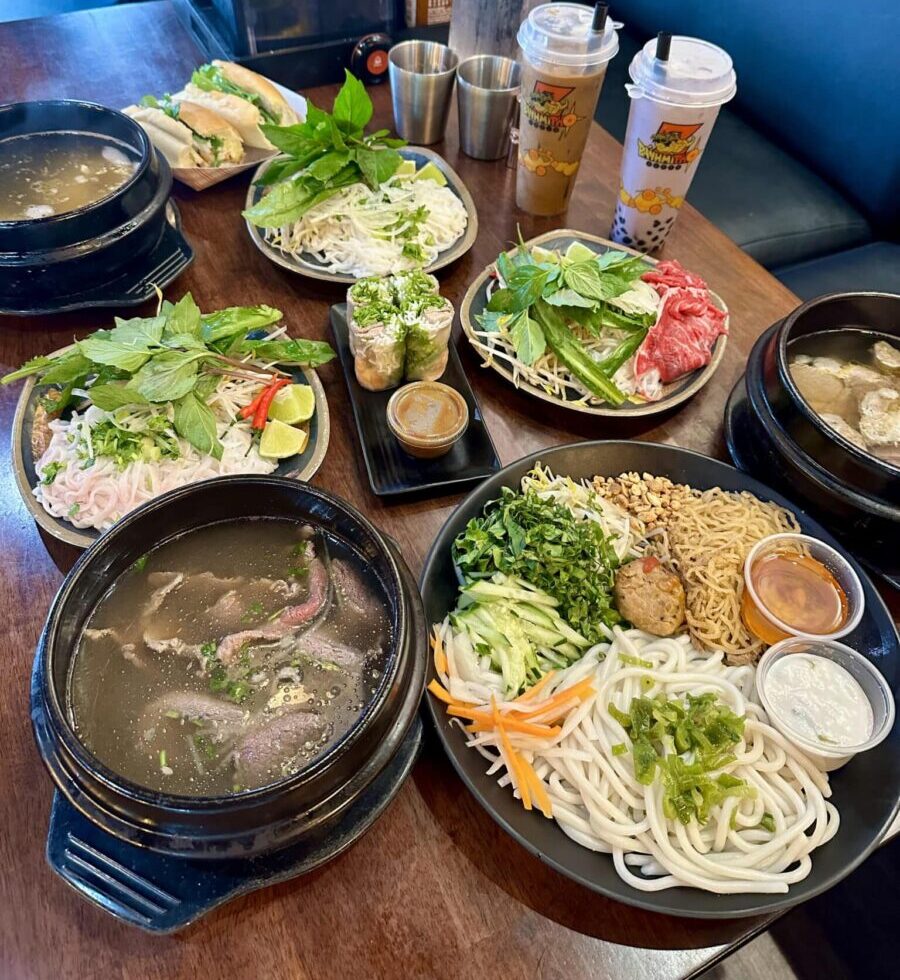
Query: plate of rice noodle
column 595, row 327
column 154, row 403
column 422, row 217
column 616, row 731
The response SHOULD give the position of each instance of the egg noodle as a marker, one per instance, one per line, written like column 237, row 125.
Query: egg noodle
column 405, row 224
column 759, row 840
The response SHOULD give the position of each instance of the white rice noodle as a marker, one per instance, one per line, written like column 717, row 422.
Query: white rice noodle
column 598, row 802
column 361, row 232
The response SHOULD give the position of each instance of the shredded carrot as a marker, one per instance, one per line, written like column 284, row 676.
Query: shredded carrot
column 440, row 658
column 513, row 725
column 532, row 691
column 577, row 691
column 438, row 691
column 542, row 798
column 509, row 722
column 517, row 774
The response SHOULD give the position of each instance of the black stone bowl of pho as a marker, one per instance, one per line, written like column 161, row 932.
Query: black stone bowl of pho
column 82, row 194
column 228, row 668
column 832, row 378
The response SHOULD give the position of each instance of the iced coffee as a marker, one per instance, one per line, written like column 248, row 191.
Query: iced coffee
column 564, row 63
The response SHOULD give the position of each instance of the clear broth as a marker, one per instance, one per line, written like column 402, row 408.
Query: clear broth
column 43, row 174
column 152, row 694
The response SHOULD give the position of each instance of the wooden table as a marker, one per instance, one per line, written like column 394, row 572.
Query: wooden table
column 435, row 889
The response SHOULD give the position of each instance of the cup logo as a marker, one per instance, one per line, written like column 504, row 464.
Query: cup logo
column 672, row 147
column 550, row 107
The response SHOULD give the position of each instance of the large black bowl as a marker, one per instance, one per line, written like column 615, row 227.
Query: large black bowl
column 254, row 821
column 830, row 316
column 760, row 441
column 90, row 245
column 866, row 791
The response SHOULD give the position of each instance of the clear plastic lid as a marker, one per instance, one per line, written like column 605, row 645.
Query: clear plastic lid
column 696, row 73
column 561, row 34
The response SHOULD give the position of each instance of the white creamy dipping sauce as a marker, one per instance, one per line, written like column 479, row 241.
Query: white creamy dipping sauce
column 819, row 700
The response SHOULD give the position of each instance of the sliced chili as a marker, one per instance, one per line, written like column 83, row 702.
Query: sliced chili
column 262, row 409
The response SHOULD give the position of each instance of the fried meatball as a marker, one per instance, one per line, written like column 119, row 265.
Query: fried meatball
column 650, row 597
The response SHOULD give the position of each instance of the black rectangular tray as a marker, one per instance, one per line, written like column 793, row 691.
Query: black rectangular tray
column 392, row 470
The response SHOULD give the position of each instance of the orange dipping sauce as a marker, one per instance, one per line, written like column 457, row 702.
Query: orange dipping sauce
column 797, row 590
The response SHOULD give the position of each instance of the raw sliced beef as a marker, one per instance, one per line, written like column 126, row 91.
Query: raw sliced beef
column 682, row 338
column 671, row 273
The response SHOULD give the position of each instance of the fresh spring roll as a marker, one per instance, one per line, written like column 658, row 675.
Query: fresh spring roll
column 379, row 355
column 428, row 326
column 370, row 303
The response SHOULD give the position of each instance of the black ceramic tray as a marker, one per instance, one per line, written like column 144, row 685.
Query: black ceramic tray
column 866, row 791
column 161, row 894
column 172, row 255
column 392, row 470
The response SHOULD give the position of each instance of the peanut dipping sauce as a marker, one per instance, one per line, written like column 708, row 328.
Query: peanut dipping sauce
column 798, row 590
column 427, row 417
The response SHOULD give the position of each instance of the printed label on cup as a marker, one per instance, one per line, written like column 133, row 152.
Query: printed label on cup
column 663, row 145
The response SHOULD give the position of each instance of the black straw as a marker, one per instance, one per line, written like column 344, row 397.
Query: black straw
column 601, row 10
column 663, row 43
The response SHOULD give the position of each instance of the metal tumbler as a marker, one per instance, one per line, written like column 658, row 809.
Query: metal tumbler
column 422, row 75
column 488, row 92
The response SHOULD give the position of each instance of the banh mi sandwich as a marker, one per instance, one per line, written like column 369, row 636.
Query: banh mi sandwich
column 245, row 99
column 186, row 134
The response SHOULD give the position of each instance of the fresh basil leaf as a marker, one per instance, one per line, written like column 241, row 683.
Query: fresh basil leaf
column 585, row 279
column 613, row 257
column 65, row 369
column 184, row 340
column 367, row 162
column 493, row 321
column 194, row 421
column 138, row 333
column 306, row 353
column 280, row 170
column 328, row 164
column 114, row 395
column 505, row 266
column 501, row 301
column 183, row 318
column 392, row 143
column 169, row 376
column 568, row 297
column 297, row 140
column 206, row 385
column 527, row 337
column 526, row 284
column 352, row 107
column 386, row 163
column 121, row 356
column 281, row 205
column 237, row 319
column 33, row 365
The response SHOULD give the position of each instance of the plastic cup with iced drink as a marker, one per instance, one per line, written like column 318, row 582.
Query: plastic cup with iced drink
column 679, row 85
column 565, row 50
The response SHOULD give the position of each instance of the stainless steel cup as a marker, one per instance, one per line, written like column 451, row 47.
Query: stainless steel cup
column 422, row 75
column 488, row 91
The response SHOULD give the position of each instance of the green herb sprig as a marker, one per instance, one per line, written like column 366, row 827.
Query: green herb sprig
column 327, row 152
column 177, row 357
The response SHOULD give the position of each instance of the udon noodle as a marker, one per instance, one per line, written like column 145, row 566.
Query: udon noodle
column 598, row 802
column 708, row 543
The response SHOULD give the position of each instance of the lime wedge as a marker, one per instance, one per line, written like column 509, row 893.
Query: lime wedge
column 539, row 254
column 280, row 440
column 293, row 404
column 431, row 172
column 577, row 252
column 407, row 168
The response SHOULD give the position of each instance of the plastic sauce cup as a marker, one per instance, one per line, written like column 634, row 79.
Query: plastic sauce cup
column 764, row 623
column 427, row 418
column 869, row 678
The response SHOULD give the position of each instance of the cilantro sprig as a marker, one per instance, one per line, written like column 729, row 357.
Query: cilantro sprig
column 327, row 152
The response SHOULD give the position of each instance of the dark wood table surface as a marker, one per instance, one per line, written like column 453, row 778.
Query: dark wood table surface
column 435, row 889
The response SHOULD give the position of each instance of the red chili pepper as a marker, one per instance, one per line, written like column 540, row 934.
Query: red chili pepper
column 262, row 409
column 250, row 409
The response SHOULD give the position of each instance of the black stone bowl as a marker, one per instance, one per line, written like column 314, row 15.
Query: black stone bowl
column 90, row 245
column 254, row 821
column 828, row 318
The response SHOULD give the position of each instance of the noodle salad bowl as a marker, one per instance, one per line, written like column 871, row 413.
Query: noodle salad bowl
column 308, row 263
column 843, row 814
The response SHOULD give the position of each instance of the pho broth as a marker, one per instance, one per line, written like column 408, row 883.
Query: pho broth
column 229, row 658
